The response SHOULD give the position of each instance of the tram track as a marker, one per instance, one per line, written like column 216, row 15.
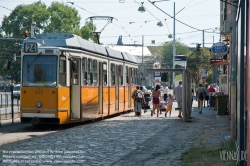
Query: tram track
column 20, row 132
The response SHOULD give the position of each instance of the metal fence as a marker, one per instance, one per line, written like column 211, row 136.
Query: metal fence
column 7, row 110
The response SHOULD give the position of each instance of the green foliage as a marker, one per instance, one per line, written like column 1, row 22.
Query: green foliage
column 1, row 33
column 196, row 61
column 86, row 32
column 21, row 17
column 178, row 77
column 57, row 18
column 164, row 54
column 207, row 156
column 167, row 51
column 64, row 19
column 7, row 50
column 155, row 50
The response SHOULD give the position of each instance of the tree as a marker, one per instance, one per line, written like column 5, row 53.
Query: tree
column 63, row 19
column 7, row 50
column 86, row 32
column 58, row 18
column 21, row 17
column 198, row 60
column 167, row 52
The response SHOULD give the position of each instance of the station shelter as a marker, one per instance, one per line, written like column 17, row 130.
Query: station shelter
column 186, row 91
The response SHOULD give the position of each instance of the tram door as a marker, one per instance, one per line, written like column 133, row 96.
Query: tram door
column 100, row 88
column 130, row 88
column 116, row 88
column 75, row 89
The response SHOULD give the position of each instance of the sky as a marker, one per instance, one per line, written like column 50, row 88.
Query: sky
column 192, row 16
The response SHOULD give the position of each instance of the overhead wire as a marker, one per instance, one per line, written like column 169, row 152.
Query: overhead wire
column 167, row 26
column 198, row 3
column 72, row 3
column 6, row 8
column 175, row 18
column 152, row 35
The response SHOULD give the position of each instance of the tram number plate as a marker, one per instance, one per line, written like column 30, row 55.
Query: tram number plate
column 30, row 47
column 38, row 92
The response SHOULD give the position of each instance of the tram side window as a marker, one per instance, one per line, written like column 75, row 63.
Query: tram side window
column 62, row 71
column 136, row 76
column 120, row 75
column 112, row 74
column 90, row 74
column 75, row 74
column 84, row 72
column 95, row 73
column 127, row 75
column 132, row 76
column 105, row 79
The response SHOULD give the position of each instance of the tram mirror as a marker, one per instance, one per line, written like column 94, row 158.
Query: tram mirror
column 73, row 66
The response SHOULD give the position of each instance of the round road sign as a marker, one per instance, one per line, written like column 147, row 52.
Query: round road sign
column 219, row 49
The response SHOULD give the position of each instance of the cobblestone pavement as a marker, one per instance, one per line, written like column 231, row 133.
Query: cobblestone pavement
column 124, row 140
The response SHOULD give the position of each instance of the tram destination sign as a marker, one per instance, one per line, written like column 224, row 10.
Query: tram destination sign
column 30, row 47
column 219, row 49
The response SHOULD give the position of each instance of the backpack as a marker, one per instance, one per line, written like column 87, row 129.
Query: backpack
column 201, row 95
column 138, row 96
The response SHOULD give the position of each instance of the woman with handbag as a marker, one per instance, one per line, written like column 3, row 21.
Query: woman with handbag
column 156, row 94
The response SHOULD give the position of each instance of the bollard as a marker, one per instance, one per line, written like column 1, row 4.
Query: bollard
column 6, row 113
column 12, row 103
column 1, row 101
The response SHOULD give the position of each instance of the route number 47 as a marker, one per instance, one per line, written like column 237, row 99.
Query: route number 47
column 30, row 47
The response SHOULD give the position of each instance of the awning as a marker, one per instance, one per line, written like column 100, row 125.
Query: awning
column 225, row 62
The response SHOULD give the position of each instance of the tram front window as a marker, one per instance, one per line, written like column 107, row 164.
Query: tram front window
column 39, row 70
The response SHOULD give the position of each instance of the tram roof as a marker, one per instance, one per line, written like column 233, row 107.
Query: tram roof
column 129, row 57
column 68, row 40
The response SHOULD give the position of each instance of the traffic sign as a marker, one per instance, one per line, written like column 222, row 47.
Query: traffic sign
column 157, row 74
column 212, row 61
column 180, row 58
column 219, row 49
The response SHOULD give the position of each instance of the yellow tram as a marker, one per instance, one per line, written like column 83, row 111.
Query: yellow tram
column 66, row 79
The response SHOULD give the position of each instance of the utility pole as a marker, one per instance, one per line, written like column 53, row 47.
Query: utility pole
column 174, row 48
column 213, row 78
column 142, row 59
column 203, row 38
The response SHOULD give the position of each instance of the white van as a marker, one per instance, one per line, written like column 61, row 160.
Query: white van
column 16, row 91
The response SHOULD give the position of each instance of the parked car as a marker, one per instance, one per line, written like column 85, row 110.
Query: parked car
column 16, row 91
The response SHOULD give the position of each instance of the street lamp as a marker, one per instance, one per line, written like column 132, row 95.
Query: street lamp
column 159, row 24
column 142, row 8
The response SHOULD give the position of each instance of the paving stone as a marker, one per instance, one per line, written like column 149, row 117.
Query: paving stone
column 126, row 140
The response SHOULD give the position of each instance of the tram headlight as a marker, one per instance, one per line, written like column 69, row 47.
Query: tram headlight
column 38, row 104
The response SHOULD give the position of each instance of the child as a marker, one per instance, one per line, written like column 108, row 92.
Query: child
column 169, row 102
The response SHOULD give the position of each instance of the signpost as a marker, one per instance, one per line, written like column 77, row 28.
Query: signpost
column 157, row 75
column 219, row 49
